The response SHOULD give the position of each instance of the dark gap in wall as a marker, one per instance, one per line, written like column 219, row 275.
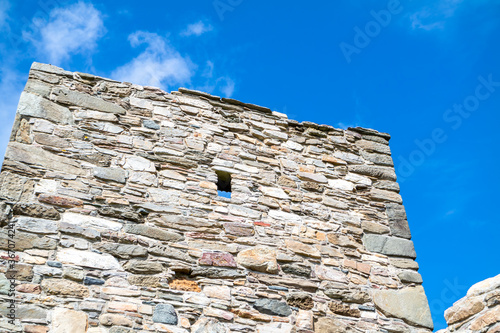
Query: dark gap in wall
column 223, row 184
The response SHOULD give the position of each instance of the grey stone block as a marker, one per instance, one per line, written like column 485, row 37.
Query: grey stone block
column 165, row 313
column 148, row 123
column 397, row 220
column 379, row 159
column 114, row 174
column 272, row 307
column 74, row 98
column 39, row 107
column 374, row 171
column 391, row 246
column 38, row 156
column 410, row 277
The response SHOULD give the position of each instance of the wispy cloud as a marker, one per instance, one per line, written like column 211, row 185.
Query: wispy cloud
column 160, row 64
column 344, row 126
column 11, row 80
column 209, row 70
column 226, row 86
column 70, row 30
column 450, row 212
column 222, row 85
column 11, row 85
column 434, row 16
column 4, row 7
column 197, row 29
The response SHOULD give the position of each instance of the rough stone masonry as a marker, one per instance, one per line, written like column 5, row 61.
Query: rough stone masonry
column 112, row 189
column 478, row 311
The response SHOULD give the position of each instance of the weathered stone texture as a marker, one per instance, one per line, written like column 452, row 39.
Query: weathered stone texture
column 65, row 321
column 409, row 304
column 260, row 258
column 478, row 311
column 111, row 189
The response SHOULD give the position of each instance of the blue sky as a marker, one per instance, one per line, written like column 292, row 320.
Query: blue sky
column 427, row 72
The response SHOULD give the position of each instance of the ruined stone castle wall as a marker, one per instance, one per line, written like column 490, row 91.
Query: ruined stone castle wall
column 111, row 190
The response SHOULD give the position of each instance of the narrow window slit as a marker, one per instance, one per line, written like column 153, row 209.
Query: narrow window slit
column 223, row 184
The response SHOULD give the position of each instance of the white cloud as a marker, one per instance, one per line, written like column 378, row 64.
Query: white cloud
column 70, row 30
column 434, row 16
column 161, row 65
column 158, row 65
column 197, row 29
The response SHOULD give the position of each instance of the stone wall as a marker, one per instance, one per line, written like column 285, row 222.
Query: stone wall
column 478, row 311
column 112, row 192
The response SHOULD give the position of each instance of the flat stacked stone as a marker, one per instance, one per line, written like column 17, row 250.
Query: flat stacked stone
column 478, row 311
column 112, row 188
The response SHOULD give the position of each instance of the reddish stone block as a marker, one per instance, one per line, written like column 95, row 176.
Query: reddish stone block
column 220, row 259
column 262, row 224
column 239, row 229
column 60, row 201
column 5, row 256
column 184, row 285
column 349, row 264
column 35, row 329
column 29, row 288
column 363, row 268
